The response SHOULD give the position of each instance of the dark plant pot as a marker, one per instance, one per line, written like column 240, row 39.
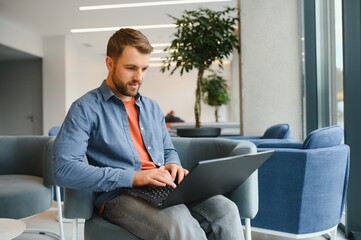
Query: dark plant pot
column 199, row 132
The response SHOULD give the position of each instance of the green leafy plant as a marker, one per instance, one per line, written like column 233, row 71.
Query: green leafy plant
column 215, row 92
column 203, row 36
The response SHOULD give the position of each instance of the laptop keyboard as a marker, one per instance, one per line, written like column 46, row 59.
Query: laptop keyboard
column 155, row 192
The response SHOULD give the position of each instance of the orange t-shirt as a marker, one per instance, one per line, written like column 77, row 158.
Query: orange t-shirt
column 133, row 120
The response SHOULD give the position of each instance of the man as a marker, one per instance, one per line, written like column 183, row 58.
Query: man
column 124, row 136
column 171, row 117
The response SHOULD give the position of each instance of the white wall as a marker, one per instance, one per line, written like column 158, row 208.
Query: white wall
column 84, row 70
column 20, row 38
column 271, row 65
column 54, row 108
column 70, row 70
column 175, row 92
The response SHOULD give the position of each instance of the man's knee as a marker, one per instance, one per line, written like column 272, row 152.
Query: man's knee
column 223, row 205
column 177, row 221
column 229, row 205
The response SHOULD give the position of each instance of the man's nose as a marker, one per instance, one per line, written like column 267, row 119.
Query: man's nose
column 138, row 75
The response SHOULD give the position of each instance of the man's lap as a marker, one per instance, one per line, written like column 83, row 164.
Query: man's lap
column 193, row 220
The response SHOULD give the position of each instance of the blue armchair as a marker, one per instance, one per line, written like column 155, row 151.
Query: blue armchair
column 273, row 134
column 302, row 186
column 53, row 131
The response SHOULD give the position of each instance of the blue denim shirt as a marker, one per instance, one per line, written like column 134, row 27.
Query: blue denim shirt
column 97, row 127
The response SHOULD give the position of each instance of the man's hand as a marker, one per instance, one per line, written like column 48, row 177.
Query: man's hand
column 161, row 177
column 176, row 171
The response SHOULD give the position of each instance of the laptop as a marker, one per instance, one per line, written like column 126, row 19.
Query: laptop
column 208, row 178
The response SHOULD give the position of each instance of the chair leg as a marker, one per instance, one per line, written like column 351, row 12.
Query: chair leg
column 60, row 213
column 37, row 231
column 248, row 234
column 334, row 234
column 331, row 235
column 46, row 232
column 75, row 229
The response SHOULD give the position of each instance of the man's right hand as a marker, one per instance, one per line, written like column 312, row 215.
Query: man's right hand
column 157, row 177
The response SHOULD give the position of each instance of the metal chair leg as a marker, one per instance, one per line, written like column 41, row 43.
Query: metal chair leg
column 248, row 232
column 60, row 213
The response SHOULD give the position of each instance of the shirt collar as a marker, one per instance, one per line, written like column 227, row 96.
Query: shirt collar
column 108, row 93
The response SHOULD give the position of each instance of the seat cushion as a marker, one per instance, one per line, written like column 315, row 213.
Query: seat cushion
column 23, row 195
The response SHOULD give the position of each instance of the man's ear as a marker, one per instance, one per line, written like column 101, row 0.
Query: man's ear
column 110, row 63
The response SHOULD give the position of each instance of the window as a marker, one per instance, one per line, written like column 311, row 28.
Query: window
column 329, row 62
column 323, row 64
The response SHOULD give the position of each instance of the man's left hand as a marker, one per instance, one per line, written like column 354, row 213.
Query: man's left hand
column 176, row 171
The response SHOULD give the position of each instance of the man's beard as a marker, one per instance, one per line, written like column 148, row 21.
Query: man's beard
column 122, row 88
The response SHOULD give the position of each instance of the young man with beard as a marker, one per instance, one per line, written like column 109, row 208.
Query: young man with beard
column 124, row 136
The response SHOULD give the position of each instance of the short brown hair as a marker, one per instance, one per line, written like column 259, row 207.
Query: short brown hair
column 127, row 37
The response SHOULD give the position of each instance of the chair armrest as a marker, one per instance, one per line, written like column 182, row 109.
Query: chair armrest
column 241, row 137
column 246, row 197
column 78, row 204
column 48, row 164
column 284, row 143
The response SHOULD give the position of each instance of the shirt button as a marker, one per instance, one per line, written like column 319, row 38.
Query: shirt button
column 149, row 148
column 141, row 129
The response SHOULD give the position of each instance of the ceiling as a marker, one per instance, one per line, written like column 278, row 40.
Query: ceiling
column 56, row 18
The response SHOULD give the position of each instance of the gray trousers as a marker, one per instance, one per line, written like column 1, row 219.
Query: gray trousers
column 214, row 218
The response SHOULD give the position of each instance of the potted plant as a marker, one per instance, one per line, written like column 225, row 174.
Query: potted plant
column 215, row 92
column 202, row 38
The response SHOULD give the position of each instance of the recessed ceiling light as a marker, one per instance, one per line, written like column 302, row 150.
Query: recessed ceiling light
column 108, row 29
column 160, row 44
column 146, row 4
column 157, row 51
column 155, row 59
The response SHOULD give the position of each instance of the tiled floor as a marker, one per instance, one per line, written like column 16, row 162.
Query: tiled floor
column 48, row 221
